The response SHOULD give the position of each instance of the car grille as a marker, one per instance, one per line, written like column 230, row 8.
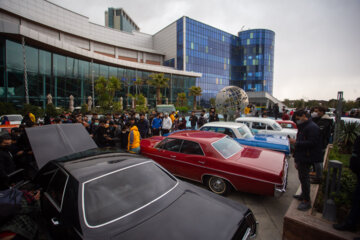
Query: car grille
column 247, row 228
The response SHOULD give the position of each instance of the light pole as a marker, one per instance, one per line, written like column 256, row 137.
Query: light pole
column 92, row 83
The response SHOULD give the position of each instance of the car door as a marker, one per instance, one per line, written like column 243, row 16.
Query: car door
column 52, row 202
column 168, row 153
column 191, row 161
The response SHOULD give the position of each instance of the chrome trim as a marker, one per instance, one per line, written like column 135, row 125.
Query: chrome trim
column 59, row 208
column 138, row 209
column 217, row 170
column 280, row 189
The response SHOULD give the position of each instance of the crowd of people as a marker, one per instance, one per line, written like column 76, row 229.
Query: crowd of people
column 125, row 131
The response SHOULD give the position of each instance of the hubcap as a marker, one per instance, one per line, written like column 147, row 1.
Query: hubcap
column 217, row 185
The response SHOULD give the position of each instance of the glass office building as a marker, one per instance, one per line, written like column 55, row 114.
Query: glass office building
column 224, row 59
column 61, row 76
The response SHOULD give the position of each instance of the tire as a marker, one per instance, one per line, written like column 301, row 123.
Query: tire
column 218, row 185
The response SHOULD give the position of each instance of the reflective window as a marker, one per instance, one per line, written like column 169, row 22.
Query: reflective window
column 189, row 147
column 173, row 144
column 227, row 147
column 56, row 188
column 123, row 192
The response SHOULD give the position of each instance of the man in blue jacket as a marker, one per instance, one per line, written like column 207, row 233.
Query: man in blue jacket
column 156, row 125
column 307, row 151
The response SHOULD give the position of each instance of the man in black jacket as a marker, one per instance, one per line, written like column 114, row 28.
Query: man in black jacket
column 353, row 217
column 143, row 126
column 7, row 164
column 325, row 124
column 307, row 151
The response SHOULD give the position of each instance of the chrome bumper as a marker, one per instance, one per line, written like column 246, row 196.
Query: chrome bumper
column 280, row 189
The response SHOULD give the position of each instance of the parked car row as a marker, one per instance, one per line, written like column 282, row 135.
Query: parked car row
column 91, row 193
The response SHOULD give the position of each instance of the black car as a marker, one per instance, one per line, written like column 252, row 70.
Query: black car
column 108, row 195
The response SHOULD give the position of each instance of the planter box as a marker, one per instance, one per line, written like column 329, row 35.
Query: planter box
column 299, row 225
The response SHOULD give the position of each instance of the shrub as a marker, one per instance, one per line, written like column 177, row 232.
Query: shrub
column 7, row 108
column 347, row 135
column 183, row 109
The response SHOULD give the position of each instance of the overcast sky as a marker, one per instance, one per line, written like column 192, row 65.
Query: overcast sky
column 317, row 42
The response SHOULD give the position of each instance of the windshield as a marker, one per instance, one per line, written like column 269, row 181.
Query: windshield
column 245, row 132
column 227, row 147
column 111, row 197
column 15, row 118
column 276, row 127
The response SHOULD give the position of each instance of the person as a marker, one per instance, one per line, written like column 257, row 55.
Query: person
column 133, row 138
column 166, row 124
column 202, row 119
column 247, row 110
column 352, row 219
column 193, row 120
column 7, row 163
column 100, row 137
column 172, row 116
column 276, row 111
column 176, row 122
column 156, row 125
column 307, row 151
column 5, row 121
column 213, row 117
column 124, row 135
column 285, row 116
column 325, row 124
column 182, row 124
column 143, row 126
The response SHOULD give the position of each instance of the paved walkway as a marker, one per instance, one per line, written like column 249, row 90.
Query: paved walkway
column 270, row 211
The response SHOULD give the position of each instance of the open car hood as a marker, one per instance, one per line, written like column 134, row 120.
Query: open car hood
column 50, row 142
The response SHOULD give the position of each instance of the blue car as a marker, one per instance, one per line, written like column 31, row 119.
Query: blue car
column 241, row 133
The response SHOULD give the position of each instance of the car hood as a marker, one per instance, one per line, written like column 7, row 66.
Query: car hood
column 194, row 214
column 51, row 142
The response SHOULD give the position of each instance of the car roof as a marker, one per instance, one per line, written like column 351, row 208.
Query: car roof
column 91, row 167
column 199, row 136
column 256, row 119
column 223, row 124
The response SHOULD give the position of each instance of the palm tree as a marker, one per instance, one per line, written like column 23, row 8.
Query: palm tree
column 195, row 91
column 105, row 89
column 158, row 81
column 181, row 99
column 138, row 83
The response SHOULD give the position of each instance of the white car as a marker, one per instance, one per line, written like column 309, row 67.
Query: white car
column 266, row 126
column 13, row 118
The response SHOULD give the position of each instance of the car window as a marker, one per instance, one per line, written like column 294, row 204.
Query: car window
column 246, row 123
column 162, row 143
column 173, row 144
column 15, row 118
column 204, row 129
column 227, row 147
column 189, row 147
column 56, row 188
column 245, row 132
column 276, row 127
column 226, row 131
column 116, row 195
column 258, row 125
column 269, row 127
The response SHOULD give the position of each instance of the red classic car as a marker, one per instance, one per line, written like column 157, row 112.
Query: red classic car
column 219, row 162
column 287, row 124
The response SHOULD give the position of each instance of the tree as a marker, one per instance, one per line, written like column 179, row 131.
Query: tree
column 138, row 83
column 105, row 90
column 195, row 91
column 158, row 81
column 212, row 102
column 181, row 99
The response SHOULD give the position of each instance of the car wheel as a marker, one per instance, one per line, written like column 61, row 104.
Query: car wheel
column 218, row 185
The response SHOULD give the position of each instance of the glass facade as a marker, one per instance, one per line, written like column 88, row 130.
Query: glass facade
column 225, row 59
column 254, row 70
column 62, row 76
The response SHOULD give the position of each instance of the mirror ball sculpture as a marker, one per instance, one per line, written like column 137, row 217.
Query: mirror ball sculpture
column 230, row 98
